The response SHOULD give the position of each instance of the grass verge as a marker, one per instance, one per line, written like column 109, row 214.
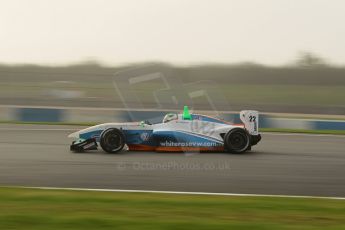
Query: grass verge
column 22, row 208
column 334, row 132
column 49, row 123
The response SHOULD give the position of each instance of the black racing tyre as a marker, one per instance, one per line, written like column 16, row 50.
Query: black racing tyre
column 112, row 140
column 237, row 141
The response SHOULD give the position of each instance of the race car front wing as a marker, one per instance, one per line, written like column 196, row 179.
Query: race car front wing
column 83, row 145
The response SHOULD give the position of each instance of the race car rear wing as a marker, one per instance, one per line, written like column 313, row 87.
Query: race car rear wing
column 250, row 119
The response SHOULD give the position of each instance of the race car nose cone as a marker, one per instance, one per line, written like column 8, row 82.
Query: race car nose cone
column 74, row 135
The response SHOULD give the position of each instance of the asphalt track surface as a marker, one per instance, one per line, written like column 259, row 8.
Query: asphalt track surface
column 282, row 164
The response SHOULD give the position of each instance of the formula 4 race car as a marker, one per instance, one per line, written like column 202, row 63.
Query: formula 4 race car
column 177, row 133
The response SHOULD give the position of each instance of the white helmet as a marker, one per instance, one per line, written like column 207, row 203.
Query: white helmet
column 170, row 117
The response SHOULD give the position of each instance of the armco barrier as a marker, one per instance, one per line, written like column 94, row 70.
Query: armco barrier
column 39, row 114
column 79, row 115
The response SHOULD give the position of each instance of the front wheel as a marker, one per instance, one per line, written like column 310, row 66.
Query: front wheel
column 112, row 140
column 237, row 141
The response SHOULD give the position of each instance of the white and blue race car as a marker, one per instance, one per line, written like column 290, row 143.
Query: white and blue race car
column 177, row 133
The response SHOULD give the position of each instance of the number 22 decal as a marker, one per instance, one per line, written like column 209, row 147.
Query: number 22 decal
column 252, row 118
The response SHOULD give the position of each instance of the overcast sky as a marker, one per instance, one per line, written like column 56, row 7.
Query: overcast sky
column 176, row 31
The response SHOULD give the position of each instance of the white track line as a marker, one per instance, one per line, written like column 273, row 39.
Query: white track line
column 180, row 192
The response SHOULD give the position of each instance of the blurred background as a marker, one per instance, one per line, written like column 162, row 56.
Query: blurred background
column 272, row 56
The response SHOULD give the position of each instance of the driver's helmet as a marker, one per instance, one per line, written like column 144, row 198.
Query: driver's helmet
column 170, row 117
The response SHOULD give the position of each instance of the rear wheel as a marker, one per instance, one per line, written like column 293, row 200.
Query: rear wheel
column 237, row 141
column 112, row 140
